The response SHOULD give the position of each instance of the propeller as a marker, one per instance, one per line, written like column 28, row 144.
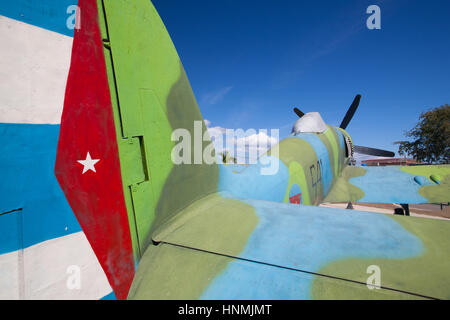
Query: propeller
column 350, row 112
column 374, row 152
column 348, row 117
column 298, row 112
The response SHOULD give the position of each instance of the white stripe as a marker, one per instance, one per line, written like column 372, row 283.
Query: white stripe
column 9, row 277
column 46, row 273
column 34, row 65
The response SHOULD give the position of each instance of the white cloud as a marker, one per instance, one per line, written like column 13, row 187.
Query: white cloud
column 260, row 138
column 216, row 131
column 246, row 146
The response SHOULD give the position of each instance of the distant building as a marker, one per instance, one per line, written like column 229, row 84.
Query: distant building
column 390, row 162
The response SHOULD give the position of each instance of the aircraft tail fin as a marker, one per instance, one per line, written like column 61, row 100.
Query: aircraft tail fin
column 126, row 93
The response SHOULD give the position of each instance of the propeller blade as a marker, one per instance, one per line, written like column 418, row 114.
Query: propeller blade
column 298, row 112
column 374, row 152
column 350, row 112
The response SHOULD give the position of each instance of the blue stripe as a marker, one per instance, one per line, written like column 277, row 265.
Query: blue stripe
column 110, row 296
column 47, row 14
column 28, row 181
column 322, row 155
column 341, row 138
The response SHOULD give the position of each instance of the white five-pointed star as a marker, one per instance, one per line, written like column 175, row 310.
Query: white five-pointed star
column 88, row 163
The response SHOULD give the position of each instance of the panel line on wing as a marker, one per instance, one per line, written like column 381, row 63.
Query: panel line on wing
column 293, row 269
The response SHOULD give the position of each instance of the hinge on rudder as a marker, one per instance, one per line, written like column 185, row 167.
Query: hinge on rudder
column 137, row 179
column 134, row 159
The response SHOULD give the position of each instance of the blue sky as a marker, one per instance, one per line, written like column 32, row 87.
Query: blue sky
column 250, row 62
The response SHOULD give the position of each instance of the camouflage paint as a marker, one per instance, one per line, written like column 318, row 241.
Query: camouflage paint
column 343, row 190
column 435, row 193
column 179, row 207
column 190, row 228
column 332, row 138
column 306, row 238
column 423, row 274
column 388, row 184
column 198, row 255
column 297, row 177
column 246, row 182
column 314, row 160
column 392, row 184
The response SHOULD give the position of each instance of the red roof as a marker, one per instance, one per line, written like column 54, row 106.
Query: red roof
column 391, row 161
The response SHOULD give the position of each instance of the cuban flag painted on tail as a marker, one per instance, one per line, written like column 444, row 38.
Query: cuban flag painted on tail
column 44, row 254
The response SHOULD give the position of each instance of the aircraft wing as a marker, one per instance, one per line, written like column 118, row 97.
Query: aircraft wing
column 222, row 248
column 393, row 184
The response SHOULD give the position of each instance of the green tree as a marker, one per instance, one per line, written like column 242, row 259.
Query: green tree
column 430, row 138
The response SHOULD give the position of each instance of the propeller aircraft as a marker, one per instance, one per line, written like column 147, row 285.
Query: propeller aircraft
column 168, row 231
column 161, row 230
